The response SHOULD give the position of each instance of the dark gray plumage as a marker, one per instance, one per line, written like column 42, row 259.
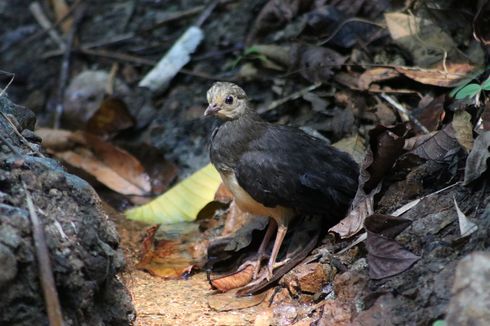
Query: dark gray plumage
column 276, row 170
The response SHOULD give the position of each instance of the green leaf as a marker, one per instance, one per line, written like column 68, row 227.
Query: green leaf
column 469, row 90
column 439, row 323
column 486, row 84
column 182, row 202
column 465, row 81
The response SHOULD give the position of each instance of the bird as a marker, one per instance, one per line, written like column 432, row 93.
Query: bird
column 276, row 170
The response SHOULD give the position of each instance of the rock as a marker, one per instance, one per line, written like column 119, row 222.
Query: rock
column 306, row 278
column 82, row 242
column 470, row 303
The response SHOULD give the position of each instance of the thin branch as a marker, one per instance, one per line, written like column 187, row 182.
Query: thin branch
column 404, row 112
column 38, row 13
column 45, row 271
column 292, row 96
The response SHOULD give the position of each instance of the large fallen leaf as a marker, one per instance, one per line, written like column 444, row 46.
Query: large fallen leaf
column 102, row 172
column 182, row 202
column 476, row 163
column 119, row 160
column 386, row 257
column 110, row 165
column 427, row 43
column 438, row 76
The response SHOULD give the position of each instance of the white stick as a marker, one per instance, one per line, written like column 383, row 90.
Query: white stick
column 178, row 56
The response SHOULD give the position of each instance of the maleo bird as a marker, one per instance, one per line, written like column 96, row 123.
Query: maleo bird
column 274, row 170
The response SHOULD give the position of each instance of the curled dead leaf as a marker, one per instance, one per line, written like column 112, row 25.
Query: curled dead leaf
column 234, row 280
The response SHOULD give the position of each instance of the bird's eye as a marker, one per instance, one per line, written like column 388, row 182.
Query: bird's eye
column 229, row 100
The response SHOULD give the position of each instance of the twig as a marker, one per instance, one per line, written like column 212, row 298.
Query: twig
column 65, row 66
column 31, row 38
column 21, row 137
column 345, row 22
column 37, row 12
column 404, row 112
column 292, row 96
column 8, row 84
column 45, row 271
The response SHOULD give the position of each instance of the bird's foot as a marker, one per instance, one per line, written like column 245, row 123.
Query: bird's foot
column 271, row 267
column 255, row 263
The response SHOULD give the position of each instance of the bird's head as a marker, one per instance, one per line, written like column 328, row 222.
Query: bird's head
column 226, row 101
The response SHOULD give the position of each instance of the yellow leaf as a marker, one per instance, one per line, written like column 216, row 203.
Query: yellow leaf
column 182, row 202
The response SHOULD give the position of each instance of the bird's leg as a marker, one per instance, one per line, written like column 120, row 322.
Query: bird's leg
column 281, row 233
column 261, row 252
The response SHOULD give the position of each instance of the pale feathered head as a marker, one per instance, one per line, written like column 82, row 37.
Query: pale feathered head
column 226, row 101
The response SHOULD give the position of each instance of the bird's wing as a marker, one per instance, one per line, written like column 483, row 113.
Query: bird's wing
column 286, row 167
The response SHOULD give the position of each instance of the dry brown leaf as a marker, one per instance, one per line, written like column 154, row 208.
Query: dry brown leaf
column 117, row 159
column 463, row 129
column 386, row 257
column 234, row 280
column 103, row 173
column 455, row 73
column 111, row 117
column 440, row 147
column 110, row 165
column 55, row 139
column 426, row 42
column 386, row 145
column 431, row 114
column 374, row 75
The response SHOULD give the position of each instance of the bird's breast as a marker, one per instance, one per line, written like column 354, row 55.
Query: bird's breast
column 247, row 204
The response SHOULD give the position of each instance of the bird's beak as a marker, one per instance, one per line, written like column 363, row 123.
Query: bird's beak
column 212, row 109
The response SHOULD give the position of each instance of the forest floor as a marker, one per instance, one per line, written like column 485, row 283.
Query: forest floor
column 401, row 86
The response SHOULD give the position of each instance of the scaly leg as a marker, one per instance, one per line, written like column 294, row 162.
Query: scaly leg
column 281, row 233
column 261, row 252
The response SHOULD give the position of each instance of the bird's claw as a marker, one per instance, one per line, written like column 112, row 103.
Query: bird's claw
column 270, row 268
column 255, row 263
